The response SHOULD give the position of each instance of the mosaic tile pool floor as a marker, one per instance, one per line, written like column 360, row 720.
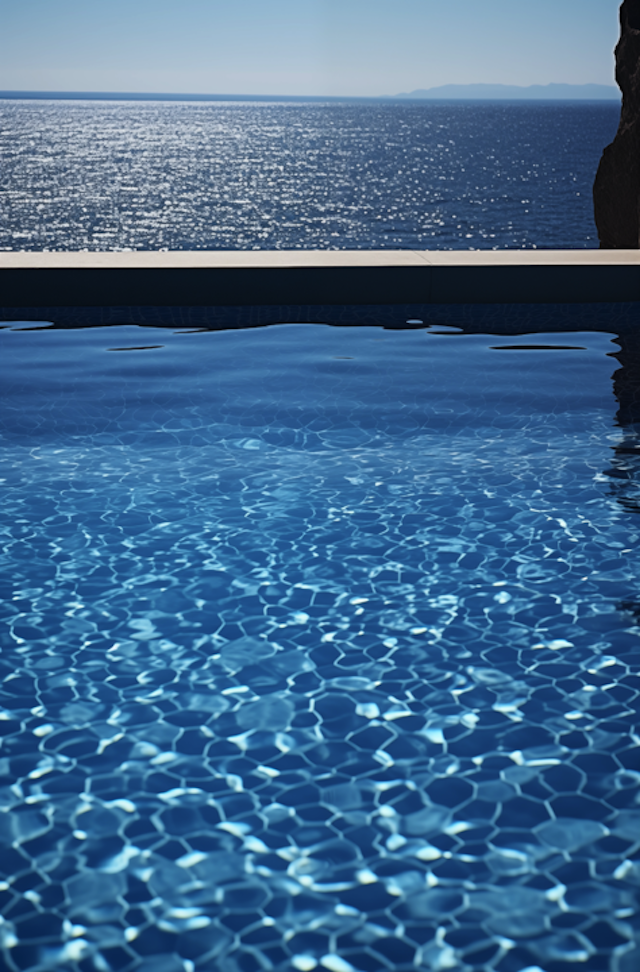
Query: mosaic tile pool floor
column 320, row 651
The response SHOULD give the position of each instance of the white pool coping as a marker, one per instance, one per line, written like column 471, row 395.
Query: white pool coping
column 252, row 277
column 317, row 258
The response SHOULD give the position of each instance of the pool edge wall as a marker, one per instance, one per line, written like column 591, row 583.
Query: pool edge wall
column 356, row 277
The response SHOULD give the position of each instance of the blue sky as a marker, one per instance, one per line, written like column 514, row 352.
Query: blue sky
column 306, row 47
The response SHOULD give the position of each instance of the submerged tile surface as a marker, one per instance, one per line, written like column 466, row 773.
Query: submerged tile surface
column 320, row 651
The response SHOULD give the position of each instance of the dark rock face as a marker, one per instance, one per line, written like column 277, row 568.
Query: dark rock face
column 616, row 191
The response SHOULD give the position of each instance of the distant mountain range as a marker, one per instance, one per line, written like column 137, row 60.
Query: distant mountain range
column 512, row 92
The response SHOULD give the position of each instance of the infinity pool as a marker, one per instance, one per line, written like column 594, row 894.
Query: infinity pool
column 320, row 650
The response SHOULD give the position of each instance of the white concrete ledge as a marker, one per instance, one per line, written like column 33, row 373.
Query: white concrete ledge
column 259, row 277
column 316, row 258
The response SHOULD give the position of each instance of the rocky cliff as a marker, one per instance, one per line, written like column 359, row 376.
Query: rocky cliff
column 616, row 191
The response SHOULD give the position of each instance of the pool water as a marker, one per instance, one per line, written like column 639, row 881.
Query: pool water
column 320, row 650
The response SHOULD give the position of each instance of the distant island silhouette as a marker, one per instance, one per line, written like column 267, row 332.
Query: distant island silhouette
column 512, row 92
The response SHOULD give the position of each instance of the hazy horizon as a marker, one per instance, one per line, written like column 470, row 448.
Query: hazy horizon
column 450, row 92
column 302, row 48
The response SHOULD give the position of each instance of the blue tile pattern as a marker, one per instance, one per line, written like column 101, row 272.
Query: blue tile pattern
column 320, row 651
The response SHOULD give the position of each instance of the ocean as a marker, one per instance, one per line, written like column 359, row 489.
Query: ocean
column 112, row 175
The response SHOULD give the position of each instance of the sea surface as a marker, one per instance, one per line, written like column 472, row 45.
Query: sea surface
column 319, row 650
column 99, row 175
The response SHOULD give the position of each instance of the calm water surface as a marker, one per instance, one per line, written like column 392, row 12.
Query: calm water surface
column 320, row 650
column 146, row 176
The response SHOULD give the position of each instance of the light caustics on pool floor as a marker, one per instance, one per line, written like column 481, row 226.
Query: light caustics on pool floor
column 318, row 652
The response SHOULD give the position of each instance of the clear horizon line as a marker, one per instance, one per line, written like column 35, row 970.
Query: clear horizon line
column 419, row 93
